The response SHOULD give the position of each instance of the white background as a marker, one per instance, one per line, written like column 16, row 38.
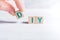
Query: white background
column 49, row 30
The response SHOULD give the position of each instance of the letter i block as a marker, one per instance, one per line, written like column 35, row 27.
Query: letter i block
column 35, row 20
column 31, row 19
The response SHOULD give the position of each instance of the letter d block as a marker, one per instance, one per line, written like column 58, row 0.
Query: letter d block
column 19, row 15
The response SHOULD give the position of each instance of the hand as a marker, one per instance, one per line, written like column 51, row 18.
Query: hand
column 8, row 7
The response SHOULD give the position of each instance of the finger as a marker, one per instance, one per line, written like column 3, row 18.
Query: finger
column 7, row 7
column 19, row 6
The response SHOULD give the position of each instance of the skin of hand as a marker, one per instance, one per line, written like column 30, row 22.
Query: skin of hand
column 18, row 4
column 8, row 7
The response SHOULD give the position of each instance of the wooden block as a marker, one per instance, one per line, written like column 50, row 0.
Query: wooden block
column 35, row 20
column 19, row 15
